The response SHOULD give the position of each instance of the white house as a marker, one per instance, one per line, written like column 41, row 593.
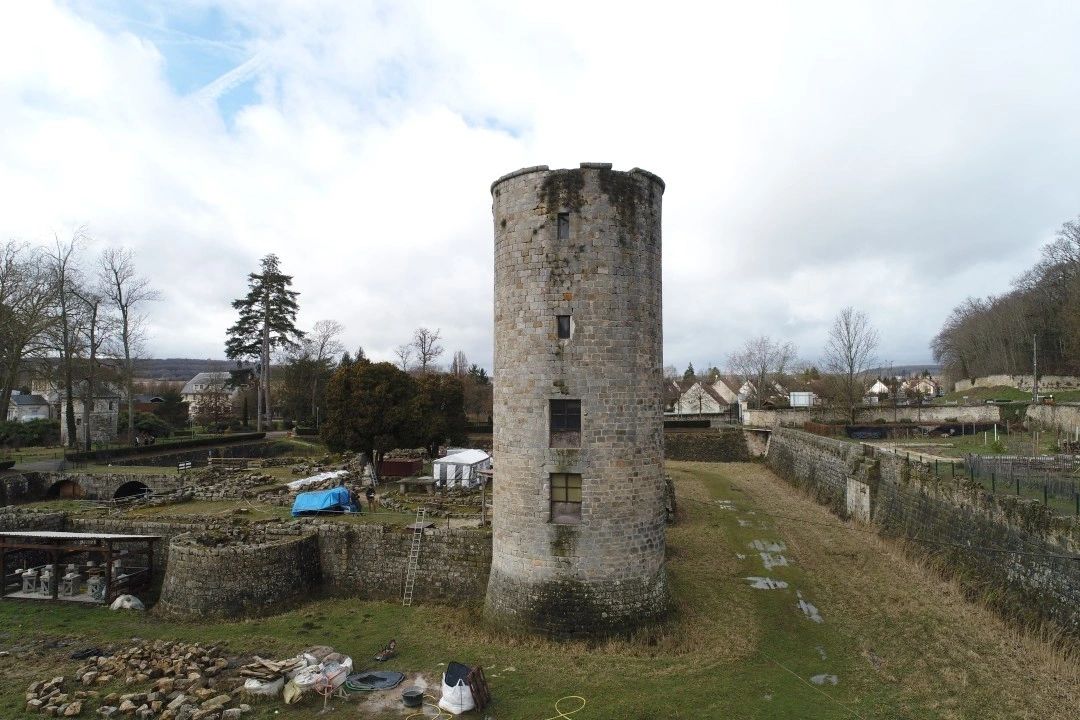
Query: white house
column 699, row 398
column 878, row 388
column 204, row 384
column 24, row 408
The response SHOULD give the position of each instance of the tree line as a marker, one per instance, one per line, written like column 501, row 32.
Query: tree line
column 356, row 404
column 998, row 334
column 73, row 319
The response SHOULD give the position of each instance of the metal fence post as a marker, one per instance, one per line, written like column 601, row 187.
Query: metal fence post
column 993, row 484
column 1046, row 495
column 1078, row 503
column 1018, row 485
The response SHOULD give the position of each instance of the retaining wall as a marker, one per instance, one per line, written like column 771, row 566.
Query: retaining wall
column 712, row 446
column 240, row 579
column 364, row 561
column 1021, row 382
column 1060, row 417
column 1013, row 553
column 369, row 561
column 870, row 413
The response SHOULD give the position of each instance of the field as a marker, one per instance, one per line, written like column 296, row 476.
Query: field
column 1009, row 394
column 898, row 641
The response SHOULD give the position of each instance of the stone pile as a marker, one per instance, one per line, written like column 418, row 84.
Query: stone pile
column 48, row 697
column 187, row 682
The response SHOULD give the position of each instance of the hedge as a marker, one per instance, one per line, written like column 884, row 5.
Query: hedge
column 124, row 452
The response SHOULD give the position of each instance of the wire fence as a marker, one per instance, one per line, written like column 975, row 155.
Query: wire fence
column 1053, row 480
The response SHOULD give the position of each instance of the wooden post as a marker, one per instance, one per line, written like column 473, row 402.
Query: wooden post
column 108, row 571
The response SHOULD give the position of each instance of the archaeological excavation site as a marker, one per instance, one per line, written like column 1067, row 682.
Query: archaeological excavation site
column 591, row 551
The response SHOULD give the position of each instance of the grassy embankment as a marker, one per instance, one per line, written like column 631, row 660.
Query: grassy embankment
column 901, row 643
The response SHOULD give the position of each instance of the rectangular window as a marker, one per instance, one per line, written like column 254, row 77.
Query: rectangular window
column 563, row 321
column 566, row 498
column 565, row 424
column 563, row 225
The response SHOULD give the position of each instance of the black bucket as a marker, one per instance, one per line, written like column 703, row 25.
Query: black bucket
column 413, row 697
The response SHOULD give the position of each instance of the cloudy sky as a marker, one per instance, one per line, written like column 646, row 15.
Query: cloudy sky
column 892, row 156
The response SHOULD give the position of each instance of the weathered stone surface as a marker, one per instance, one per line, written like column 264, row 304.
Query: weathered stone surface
column 606, row 574
column 1017, row 547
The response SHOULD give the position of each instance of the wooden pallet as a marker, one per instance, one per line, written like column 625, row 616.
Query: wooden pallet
column 478, row 685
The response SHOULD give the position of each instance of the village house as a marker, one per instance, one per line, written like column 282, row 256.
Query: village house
column 207, row 385
column 27, row 407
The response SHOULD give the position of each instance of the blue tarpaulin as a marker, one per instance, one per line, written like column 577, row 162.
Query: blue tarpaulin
column 322, row 501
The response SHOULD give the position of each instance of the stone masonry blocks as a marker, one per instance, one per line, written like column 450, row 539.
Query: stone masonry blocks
column 606, row 574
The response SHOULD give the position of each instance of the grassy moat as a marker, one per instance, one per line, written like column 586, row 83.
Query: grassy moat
column 898, row 641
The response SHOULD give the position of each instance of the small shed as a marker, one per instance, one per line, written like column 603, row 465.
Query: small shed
column 461, row 469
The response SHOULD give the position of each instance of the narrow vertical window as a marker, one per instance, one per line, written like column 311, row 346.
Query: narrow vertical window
column 566, row 498
column 564, row 226
column 563, row 322
column 565, row 424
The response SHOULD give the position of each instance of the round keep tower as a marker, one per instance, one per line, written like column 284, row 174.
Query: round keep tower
column 578, row 522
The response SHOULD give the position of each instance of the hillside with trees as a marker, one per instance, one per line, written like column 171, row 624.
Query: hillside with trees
column 997, row 334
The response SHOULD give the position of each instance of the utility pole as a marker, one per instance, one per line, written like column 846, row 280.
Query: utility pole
column 1035, row 368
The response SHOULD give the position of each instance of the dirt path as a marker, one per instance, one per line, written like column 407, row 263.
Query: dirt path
column 915, row 631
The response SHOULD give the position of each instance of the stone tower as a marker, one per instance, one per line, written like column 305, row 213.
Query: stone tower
column 578, row 522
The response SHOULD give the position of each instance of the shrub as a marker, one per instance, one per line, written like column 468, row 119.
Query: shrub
column 35, row 432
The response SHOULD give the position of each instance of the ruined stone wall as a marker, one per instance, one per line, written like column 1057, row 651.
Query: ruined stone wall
column 369, row 561
column 17, row 488
column 606, row 574
column 1059, row 417
column 1021, row 382
column 233, row 580
column 1014, row 553
column 354, row 560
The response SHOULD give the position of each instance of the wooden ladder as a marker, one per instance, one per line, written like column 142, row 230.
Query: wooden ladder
column 414, row 557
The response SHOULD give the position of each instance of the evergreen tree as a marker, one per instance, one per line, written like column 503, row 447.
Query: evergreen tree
column 267, row 322
column 689, row 375
column 370, row 407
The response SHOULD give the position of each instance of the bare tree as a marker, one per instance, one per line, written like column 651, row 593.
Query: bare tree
column 426, row 344
column 763, row 362
column 125, row 293
column 849, row 352
column 62, row 277
column 324, row 346
column 95, row 332
column 26, row 300
column 404, row 354
column 459, row 366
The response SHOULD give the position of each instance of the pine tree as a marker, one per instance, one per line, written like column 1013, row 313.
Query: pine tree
column 267, row 321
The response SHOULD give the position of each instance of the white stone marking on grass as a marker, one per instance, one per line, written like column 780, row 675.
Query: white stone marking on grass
column 808, row 610
column 825, row 679
column 772, row 560
column 821, row 652
column 767, row 546
column 766, row 583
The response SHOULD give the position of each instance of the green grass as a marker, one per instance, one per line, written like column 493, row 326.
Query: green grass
column 903, row 644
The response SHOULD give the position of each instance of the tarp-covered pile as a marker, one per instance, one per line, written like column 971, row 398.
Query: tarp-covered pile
column 332, row 500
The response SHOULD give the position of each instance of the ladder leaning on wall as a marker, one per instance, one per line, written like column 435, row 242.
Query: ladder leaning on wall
column 414, row 557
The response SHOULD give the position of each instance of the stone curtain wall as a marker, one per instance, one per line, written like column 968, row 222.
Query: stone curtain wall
column 369, row 561
column 931, row 414
column 1014, row 553
column 723, row 446
column 606, row 574
column 238, row 580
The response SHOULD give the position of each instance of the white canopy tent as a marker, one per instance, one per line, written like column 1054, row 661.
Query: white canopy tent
column 460, row 468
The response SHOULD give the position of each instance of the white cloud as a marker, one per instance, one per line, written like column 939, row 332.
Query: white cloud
column 897, row 159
